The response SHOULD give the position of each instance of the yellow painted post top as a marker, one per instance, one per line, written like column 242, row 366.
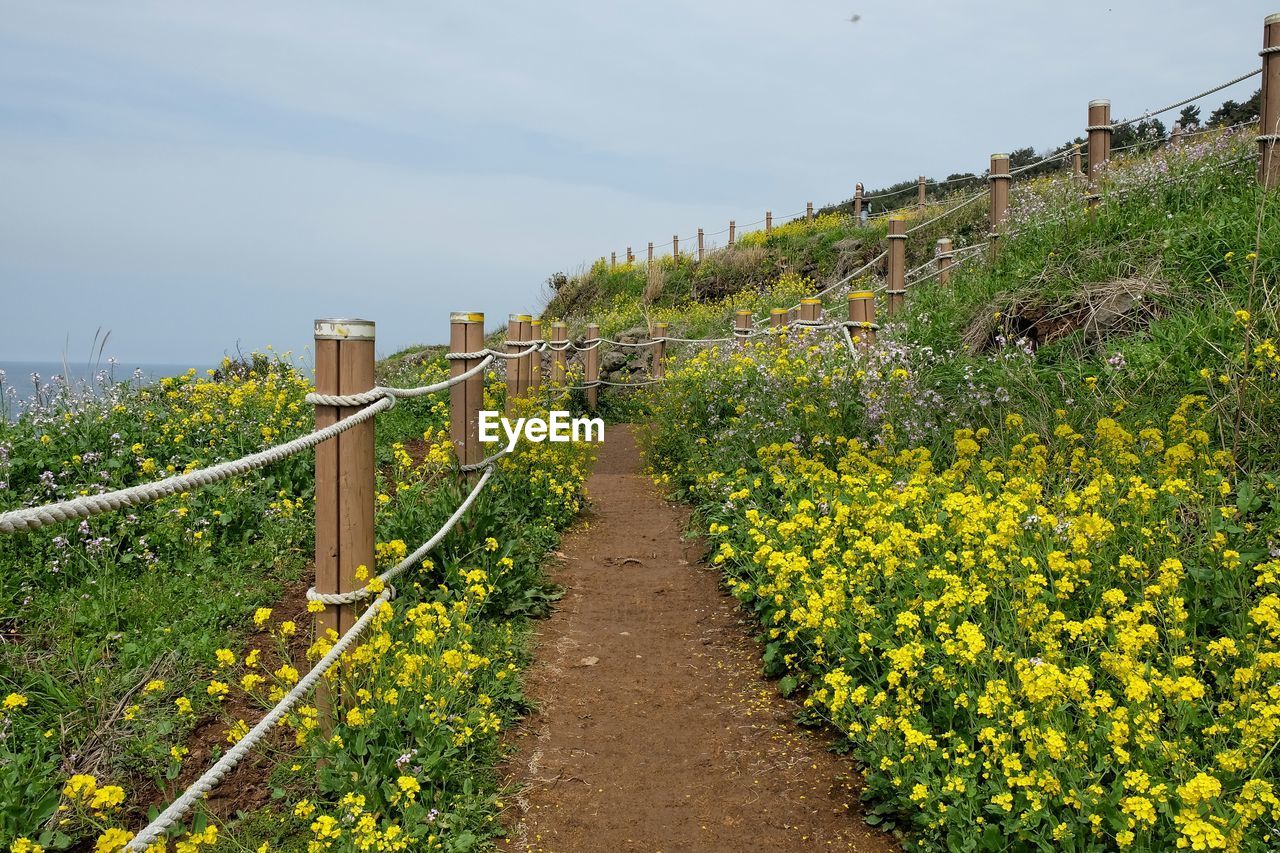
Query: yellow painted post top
column 466, row 317
column 779, row 311
column 525, row 318
column 861, row 294
column 811, row 301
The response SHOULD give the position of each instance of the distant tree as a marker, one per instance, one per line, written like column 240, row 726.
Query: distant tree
column 1232, row 113
column 1189, row 117
column 1140, row 136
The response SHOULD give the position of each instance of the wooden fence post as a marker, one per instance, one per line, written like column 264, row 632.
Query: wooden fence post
column 857, row 204
column 1099, row 131
column 1175, row 136
column 699, row 245
column 808, row 211
column 535, row 358
column 613, row 260
column 1269, row 114
column 1075, row 162
column 920, row 190
column 659, row 351
column 526, row 361
column 731, row 229
column 593, row 366
column 560, row 355
column 1000, row 180
column 768, row 222
column 344, row 474
column 466, row 334
column 896, row 286
column 862, row 310
column 650, row 251
column 810, row 310
column 741, row 323
column 778, row 318
column 942, row 257
column 675, row 247
column 513, row 364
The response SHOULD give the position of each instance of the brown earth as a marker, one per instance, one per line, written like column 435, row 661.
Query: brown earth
column 655, row 730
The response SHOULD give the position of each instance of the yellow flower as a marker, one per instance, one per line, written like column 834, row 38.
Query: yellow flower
column 112, row 841
column 107, row 797
column 14, row 701
column 155, row 685
column 80, row 786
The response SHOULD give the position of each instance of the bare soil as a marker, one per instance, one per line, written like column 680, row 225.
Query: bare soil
column 655, row 730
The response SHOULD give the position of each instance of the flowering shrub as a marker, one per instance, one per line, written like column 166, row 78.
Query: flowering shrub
column 406, row 766
column 1056, row 636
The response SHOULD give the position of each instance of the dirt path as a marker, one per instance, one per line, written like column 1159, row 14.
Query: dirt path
column 655, row 731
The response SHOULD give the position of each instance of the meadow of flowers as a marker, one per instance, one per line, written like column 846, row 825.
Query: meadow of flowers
column 1032, row 583
column 128, row 633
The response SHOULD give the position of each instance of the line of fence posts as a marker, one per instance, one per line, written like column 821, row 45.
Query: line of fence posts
column 592, row 366
column 344, row 466
column 1269, row 111
column 1000, row 179
column 862, row 310
column 942, row 258
column 896, row 286
column 658, row 351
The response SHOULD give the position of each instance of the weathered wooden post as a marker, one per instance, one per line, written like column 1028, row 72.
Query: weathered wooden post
column 810, row 310
column 862, row 310
column 778, row 318
column 650, row 251
column 1075, row 162
column 593, row 365
column 657, row 369
column 731, row 228
column 513, row 364
column 466, row 334
column 535, row 358
column 699, row 245
column 857, row 204
column 631, row 258
column 808, row 211
column 768, row 222
column 942, row 257
column 675, row 247
column 613, row 260
column 1099, row 130
column 344, row 474
column 897, row 284
column 741, row 323
column 1269, row 114
column 526, row 361
column 920, row 190
column 1175, row 136
column 1000, row 180
column 560, row 353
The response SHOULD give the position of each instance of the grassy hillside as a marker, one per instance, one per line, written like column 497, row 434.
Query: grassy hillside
column 1022, row 553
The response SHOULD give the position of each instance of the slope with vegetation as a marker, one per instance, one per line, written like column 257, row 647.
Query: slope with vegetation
column 1023, row 553
column 139, row 646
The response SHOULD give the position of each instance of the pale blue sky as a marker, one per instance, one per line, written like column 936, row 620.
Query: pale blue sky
column 193, row 175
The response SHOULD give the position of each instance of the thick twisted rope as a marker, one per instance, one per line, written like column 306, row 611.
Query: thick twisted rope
column 33, row 518
column 356, row 595
column 215, row 774
column 1186, row 101
column 378, row 392
column 944, row 214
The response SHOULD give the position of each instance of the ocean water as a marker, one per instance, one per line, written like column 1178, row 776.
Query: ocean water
column 19, row 380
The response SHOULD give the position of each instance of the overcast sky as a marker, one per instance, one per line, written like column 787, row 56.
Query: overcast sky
column 191, row 175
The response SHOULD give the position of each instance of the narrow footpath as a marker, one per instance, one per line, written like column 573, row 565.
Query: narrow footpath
column 654, row 730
